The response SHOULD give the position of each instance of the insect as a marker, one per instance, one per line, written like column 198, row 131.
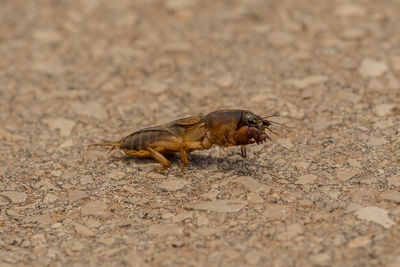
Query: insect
column 226, row 127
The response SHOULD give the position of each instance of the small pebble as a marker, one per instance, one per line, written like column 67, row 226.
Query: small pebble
column 372, row 68
column 376, row 215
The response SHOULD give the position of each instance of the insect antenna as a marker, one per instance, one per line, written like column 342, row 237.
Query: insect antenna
column 270, row 116
column 280, row 124
column 272, row 131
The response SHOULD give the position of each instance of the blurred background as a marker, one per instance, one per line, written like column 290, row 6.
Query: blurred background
column 146, row 62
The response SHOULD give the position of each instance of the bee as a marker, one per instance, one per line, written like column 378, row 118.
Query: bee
column 226, row 127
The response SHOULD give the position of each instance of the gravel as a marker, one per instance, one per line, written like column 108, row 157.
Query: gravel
column 325, row 192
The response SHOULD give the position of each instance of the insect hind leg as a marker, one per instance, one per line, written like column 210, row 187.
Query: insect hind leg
column 160, row 158
column 139, row 154
column 172, row 144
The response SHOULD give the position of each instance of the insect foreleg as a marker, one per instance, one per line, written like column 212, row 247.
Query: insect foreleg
column 198, row 145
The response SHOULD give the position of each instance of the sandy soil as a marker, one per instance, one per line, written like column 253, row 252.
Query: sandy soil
column 325, row 192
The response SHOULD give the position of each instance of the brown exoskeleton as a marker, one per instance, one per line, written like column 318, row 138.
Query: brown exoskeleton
column 227, row 127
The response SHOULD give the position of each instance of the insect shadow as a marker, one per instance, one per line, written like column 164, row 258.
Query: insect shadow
column 200, row 162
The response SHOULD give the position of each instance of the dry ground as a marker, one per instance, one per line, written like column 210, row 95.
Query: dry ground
column 324, row 193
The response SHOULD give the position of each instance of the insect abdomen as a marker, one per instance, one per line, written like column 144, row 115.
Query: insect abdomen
column 141, row 139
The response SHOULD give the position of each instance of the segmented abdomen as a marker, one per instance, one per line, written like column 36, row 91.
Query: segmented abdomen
column 141, row 139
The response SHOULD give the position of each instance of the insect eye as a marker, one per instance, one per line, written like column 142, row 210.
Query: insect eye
column 252, row 121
